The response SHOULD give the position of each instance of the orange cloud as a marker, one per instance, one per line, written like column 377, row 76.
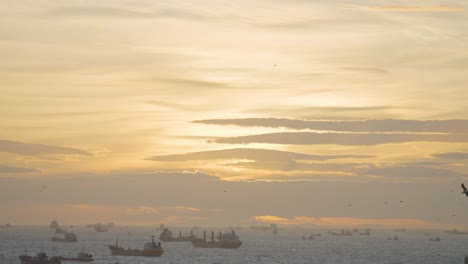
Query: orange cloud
column 403, row 8
column 347, row 221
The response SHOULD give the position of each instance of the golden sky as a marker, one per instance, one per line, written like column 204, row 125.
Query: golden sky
column 228, row 93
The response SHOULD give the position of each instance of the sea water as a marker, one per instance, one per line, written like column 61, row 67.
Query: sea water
column 287, row 246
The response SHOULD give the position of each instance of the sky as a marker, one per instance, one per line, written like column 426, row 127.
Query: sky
column 300, row 113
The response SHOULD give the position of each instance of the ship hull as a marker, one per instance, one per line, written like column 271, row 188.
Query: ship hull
column 54, row 239
column 118, row 251
column 31, row 260
column 76, row 259
column 176, row 239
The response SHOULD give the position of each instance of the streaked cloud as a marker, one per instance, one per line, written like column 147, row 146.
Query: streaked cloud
column 452, row 155
column 347, row 139
column 409, row 8
column 373, row 125
column 39, row 149
column 331, row 170
column 411, row 172
column 249, row 154
column 177, row 106
column 14, row 170
column 128, row 13
column 365, row 69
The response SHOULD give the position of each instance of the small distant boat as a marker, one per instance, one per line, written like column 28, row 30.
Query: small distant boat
column 265, row 228
column 81, row 257
column 226, row 240
column 101, row 228
column 8, row 225
column 54, row 224
column 342, row 233
column 40, row 258
column 311, row 237
column 150, row 249
column 456, row 232
column 316, row 234
column 394, row 238
column 275, row 231
column 435, row 239
column 366, row 232
column 166, row 236
column 303, row 238
column 68, row 237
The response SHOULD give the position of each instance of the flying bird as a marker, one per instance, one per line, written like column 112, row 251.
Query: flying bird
column 465, row 191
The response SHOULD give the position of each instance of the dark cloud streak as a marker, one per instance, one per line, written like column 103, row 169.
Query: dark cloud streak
column 452, row 155
column 249, row 154
column 373, row 125
column 16, row 170
column 349, row 139
column 38, row 149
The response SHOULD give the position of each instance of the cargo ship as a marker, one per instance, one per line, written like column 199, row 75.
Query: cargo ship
column 40, row 258
column 226, row 240
column 67, row 237
column 54, row 224
column 150, row 249
column 166, row 236
column 60, row 230
column 81, row 257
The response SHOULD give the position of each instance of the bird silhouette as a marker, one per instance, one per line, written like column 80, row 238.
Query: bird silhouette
column 465, row 191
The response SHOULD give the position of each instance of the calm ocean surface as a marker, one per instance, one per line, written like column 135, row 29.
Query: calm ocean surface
column 258, row 247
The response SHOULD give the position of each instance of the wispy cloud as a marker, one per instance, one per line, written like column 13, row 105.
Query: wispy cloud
column 373, row 125
column 398, row 171
column 408, row 8
column 349, row 139
column 176, row 106
column 404, row 171
column 365, row 69
column 11, row 169
column 38, row 149
column 129, row 13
